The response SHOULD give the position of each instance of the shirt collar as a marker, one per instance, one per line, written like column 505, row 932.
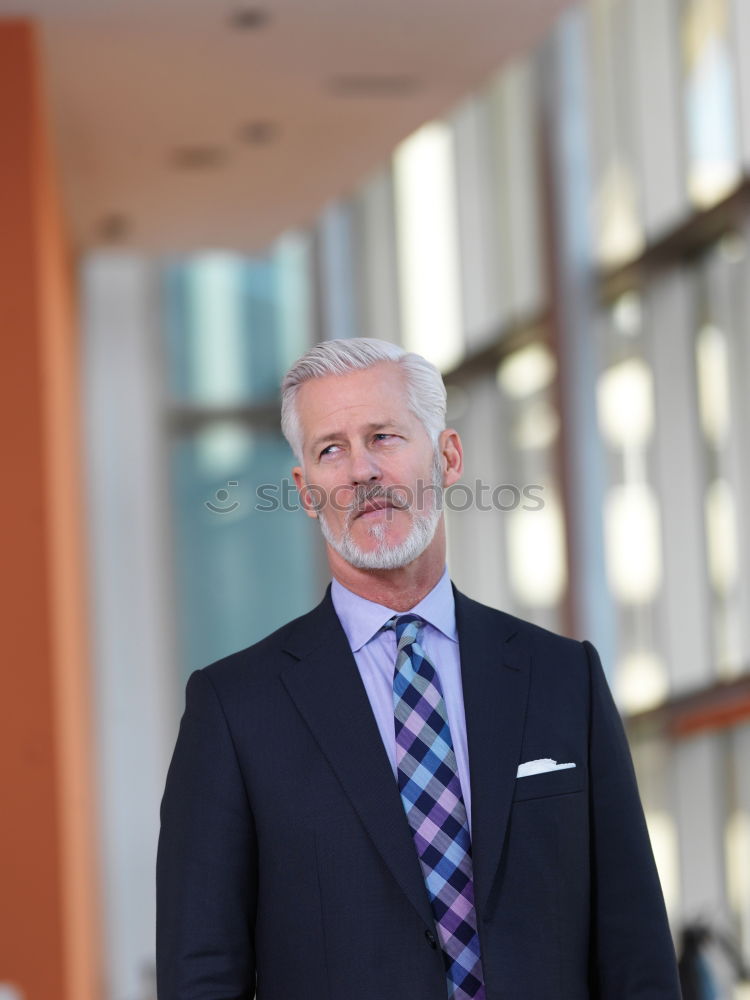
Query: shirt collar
column 362, row 619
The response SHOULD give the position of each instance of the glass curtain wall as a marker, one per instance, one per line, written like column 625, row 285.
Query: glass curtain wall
column 452, row 253
column 722, row 348
column 536, row 556
column 246, row 559
column 669, row 110
column 712, row 131
column 632, row 516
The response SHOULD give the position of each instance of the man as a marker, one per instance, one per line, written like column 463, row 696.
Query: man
column 402, row 795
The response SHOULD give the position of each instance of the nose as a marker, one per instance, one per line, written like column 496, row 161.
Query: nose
column 363, row 468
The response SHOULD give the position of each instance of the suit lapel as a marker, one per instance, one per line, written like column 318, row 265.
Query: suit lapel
column 326, row 687
column 495, row 669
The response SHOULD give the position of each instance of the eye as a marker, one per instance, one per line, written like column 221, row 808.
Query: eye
column 327, row 450
column 384, row 434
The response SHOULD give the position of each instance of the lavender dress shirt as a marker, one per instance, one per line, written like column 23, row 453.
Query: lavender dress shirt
column 375, row 655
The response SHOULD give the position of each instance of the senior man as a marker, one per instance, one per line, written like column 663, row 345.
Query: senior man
column 403, row 794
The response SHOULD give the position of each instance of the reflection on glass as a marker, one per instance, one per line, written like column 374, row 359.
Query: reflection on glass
column 625, row 396
column 233, row 324
column 527, row 370
column 721, row 530
column 292, row 267
column 620, row 231
column 427, row 240
column 719, row 351
column 632, row 536
column 627, row 314
column 626, row 416
column 712, row 357
column 641, row 681
column 537, row 562
column 244, row 551
column 216, row 350
column 710, row 103
column 537, row 571
column 221, row 447
column 617, row 208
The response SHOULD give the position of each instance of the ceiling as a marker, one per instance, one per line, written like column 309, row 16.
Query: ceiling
column 182, row 124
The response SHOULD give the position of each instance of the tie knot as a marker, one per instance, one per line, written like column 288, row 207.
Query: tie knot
column 406, row 627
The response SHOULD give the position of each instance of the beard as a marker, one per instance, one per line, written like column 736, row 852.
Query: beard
column 384, row 555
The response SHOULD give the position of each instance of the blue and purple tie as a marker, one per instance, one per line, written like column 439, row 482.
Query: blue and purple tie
column 431, row 793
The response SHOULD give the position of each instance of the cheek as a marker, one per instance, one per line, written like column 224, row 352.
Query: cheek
column 410, row 475
column 337, row 498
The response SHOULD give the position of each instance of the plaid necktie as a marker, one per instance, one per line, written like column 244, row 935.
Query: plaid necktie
column 431, row 793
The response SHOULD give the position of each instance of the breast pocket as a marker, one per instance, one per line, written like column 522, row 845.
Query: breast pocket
column 558, row 782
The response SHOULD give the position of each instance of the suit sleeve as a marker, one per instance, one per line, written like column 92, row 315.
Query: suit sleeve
column 632, row 956
column 206, row 869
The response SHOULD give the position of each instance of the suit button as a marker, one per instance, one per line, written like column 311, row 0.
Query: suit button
column 431, row 938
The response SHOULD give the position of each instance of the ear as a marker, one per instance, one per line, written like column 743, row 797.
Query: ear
column 307, row 494
column 452, row 453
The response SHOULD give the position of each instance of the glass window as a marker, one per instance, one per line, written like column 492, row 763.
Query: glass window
column 245, row 553
column 291, row 259
column 375, row 230
column 534, row 521
column 721, row 360
column 481, row 275
column 222, row 329
column 339, row 280
column 618, row 209
column 473, row 509
column 632, row 515
column 710, row 101
column 516, row 159
column 427, row 240
column 657, row 98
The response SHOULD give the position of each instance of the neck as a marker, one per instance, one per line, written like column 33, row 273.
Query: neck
column 401, row 588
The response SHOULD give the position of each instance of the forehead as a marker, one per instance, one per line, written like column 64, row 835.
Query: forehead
column 332, row 402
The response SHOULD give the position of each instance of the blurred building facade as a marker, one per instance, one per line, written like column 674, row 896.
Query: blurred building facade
column 571, row 246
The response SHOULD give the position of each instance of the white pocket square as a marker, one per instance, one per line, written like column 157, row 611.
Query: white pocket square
column 540, row 766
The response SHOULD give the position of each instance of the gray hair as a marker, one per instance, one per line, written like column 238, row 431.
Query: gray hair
column 426, row 397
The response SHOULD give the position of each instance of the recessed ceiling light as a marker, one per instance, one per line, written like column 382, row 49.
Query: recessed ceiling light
column 249, row 18
column 259, row 133
column 114, row 227
column 372, row 85
column 198, row 157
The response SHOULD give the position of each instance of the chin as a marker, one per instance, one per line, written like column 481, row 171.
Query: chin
column 382, row 545
column 380, row 534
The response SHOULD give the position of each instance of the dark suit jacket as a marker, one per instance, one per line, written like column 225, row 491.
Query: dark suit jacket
column 285, row 851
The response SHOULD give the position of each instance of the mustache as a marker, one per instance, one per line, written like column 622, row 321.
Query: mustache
column 366, row 494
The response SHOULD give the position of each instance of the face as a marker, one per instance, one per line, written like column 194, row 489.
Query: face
column 370, row 472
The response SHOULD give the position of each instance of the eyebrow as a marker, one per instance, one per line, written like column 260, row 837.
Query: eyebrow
column 370, row 428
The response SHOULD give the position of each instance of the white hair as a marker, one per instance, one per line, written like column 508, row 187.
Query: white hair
column 425, row 391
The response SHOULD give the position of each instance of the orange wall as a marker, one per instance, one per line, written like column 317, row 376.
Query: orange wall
column 49, row 947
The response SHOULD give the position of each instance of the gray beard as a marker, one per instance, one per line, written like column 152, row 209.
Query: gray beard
column 385, row 556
